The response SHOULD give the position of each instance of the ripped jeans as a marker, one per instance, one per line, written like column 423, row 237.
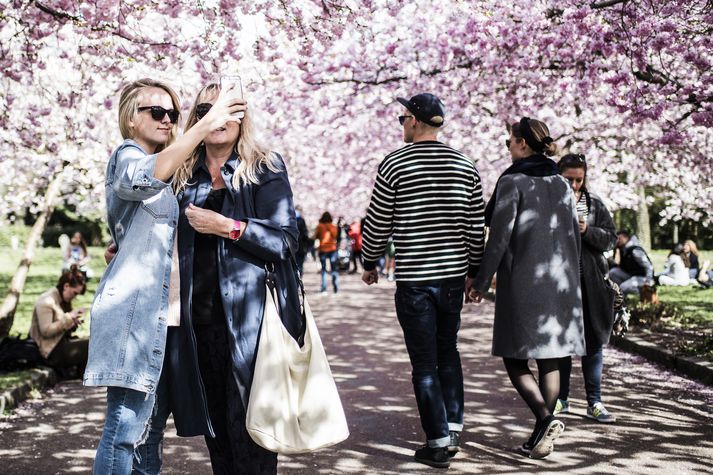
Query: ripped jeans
column 128, row 413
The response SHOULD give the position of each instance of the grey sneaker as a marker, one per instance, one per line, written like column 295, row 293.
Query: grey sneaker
column 600, row 414
column 562, row 407
column 548, row 432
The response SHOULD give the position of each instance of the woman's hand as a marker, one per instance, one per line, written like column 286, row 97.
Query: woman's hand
column 206, row 221
column 225, row 109
column 110, row 252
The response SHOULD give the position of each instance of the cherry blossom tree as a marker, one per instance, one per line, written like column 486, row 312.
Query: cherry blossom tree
column 627, row 82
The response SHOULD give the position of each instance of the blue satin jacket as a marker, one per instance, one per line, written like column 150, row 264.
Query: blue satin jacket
column 271, row 233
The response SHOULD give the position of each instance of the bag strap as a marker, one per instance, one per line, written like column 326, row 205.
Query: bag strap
column 271, row 283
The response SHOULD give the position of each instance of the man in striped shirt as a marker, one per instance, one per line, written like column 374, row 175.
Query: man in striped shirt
column 428, row 196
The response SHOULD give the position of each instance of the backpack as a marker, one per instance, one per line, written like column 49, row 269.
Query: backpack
column 18, row 353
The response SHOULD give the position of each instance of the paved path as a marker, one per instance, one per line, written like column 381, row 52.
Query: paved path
column 665, row 421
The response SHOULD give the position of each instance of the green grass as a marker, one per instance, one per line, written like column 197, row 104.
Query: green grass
column 694, row 304
column 44, row 273
column 8, row 380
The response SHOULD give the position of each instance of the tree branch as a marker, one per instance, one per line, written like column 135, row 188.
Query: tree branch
column 606, row 4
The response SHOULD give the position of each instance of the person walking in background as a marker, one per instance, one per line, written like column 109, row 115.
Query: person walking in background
column 533, row 245
column 635, row 267
column 53, row 322
column 326, row 234
column 355, row 235
column 130, row 315
column 675, row 270
column 428, row 196
column 598, row 234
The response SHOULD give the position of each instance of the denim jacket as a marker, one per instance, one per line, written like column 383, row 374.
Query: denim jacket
column 128, row 318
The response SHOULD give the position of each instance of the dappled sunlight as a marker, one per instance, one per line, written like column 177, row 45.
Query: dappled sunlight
column 664, row 420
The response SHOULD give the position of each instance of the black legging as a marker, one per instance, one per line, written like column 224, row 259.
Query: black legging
column 540, row 398
column 232, row 451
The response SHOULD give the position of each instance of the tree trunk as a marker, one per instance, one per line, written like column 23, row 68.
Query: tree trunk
column 643, row 226
column 9, row 305
column 675, row 233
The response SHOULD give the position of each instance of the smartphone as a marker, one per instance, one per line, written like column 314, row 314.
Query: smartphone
column 237, row 92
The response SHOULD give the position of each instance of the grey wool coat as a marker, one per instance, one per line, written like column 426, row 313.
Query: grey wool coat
column 534, row 246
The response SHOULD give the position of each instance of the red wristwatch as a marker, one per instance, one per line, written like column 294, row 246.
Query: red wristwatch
column 235, row 232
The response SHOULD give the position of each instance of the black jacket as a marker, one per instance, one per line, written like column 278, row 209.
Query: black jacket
column 599, row 237
column 269, row 211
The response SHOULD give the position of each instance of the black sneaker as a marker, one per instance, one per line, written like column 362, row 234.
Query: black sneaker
column 526, row 448
column 433, row 456
column 454, row 443
column 547, row 433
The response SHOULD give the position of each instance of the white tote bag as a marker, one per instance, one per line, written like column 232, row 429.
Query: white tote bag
column 294, row 406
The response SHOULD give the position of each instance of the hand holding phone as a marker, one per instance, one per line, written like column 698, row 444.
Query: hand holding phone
column 233, row 80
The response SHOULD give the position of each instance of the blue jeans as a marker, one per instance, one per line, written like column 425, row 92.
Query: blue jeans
column 430, row 318
column 324, row 257
column 127, row 415
column 149, row 455
column 592, row 365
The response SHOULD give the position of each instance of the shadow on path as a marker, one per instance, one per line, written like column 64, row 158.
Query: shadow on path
column 665, row 422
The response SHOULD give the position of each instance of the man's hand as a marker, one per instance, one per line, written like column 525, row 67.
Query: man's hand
column 206, row 221
column 370, row 276
column 110, row 252
column 472, row 295
column 468, row 288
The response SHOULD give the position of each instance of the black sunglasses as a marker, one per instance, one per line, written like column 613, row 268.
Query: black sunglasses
column 202, row 109
column 575, row 158
column 158, row 113
column 402, row 118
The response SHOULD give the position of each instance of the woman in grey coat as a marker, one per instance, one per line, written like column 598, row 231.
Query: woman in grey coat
column 534, row 247
column 598, row 234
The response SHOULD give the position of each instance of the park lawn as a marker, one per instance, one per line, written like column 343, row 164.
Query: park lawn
column 44, row 273
column 695, row 304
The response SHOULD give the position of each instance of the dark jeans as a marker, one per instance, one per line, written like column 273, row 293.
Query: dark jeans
column 430, row 318
column 591, row 370
column 70, row 352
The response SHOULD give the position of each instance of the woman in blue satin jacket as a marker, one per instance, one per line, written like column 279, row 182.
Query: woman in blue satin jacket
column 237, row 218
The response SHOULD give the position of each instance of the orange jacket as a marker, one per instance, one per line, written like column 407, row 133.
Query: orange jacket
column 327, row 235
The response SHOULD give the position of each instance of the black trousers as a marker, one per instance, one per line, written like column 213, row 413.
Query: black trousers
column 232, row 451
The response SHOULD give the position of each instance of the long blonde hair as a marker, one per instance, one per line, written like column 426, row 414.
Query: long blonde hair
column 253, row 155
column 692, row 246
column 129, row 103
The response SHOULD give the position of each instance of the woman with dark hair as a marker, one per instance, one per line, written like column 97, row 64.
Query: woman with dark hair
column 327, row 233
column 53, row 322
column 533, row 245
column 598, row 234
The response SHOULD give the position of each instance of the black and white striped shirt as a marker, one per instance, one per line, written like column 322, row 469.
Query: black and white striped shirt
column 428, row 196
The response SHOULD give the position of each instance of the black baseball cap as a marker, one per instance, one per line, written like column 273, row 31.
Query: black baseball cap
column 425, row 107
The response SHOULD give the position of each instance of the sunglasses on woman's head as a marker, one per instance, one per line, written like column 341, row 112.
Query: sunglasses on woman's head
column 158, row 113
column 202, row 109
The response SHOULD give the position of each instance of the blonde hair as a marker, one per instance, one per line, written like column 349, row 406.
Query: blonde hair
column 692, row 246
column 540, row 131
column 129, row 103
column 253, row 154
